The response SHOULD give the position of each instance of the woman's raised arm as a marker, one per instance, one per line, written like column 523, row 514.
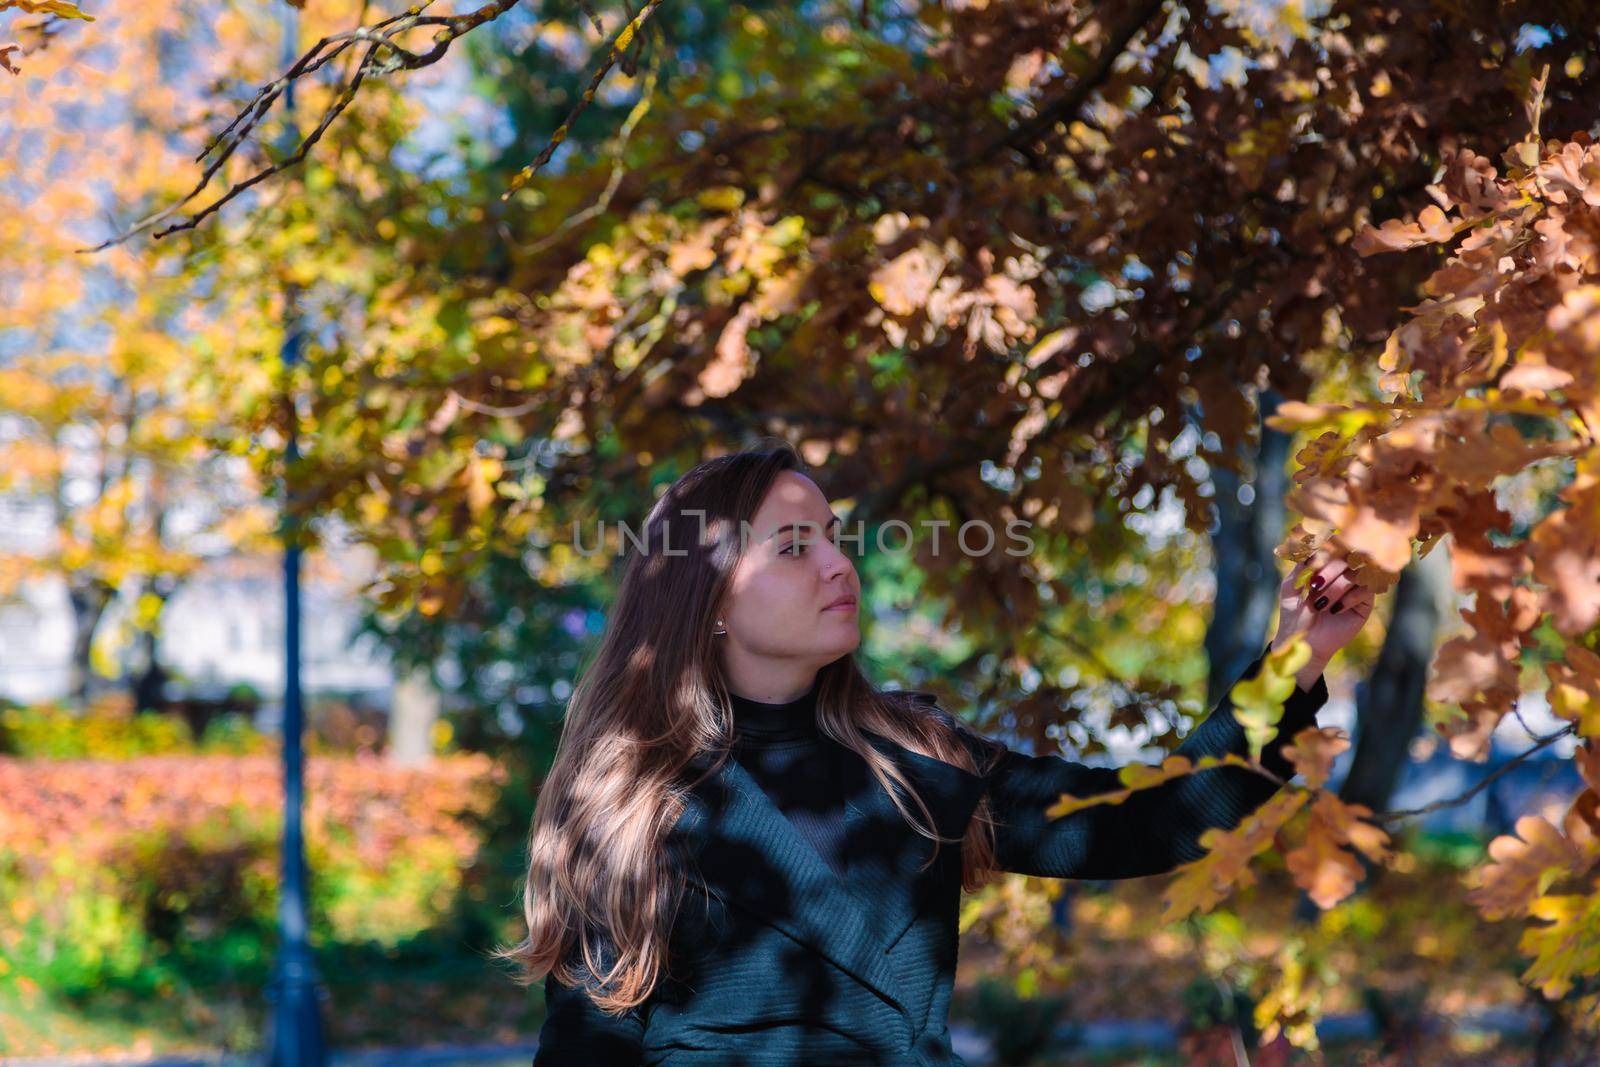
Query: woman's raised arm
column 1155, row 829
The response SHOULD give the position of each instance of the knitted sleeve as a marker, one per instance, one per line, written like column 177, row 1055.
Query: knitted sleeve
column 1154, row 830
column 576, row 1033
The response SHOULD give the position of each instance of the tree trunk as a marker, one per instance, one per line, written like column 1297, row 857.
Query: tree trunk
column 1247, row 572
column 149, row 685
column 413, row 710
column 1389, row 709
column 89, row 602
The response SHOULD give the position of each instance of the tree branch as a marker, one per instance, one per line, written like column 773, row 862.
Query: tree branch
column 382, row 37
column 619, row 48
column 1073, row 100
column 1505, row 768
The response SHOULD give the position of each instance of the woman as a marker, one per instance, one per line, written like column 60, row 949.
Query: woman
column 735, row 857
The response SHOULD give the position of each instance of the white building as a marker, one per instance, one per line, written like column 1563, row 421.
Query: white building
column 223, row 627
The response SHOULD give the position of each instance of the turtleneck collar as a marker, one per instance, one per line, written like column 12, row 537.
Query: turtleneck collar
column 758, row 723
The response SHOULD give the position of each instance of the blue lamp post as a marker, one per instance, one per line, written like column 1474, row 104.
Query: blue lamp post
column 296, row 1036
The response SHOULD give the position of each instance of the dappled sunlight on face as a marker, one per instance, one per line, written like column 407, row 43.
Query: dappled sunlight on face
column 778, row 598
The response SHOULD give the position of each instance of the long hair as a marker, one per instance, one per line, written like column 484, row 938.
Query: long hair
column 601, row 887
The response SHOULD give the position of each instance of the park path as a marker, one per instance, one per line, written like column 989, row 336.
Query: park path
column 1095, row 1038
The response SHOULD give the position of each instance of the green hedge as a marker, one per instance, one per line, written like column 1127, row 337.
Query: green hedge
column 53, row 731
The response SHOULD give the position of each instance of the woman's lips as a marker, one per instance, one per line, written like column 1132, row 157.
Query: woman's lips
column 845, row 605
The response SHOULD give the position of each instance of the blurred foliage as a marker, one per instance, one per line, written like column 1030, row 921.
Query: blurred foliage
column 236, row 735
column 109, row 729
column 169, row 887
column 1208, row 1003
column 106, row 729
column 163, row 912
column 1406, row 946
column 1019, row 1028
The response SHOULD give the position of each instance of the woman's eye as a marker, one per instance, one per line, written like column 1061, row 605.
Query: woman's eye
column 791, row 549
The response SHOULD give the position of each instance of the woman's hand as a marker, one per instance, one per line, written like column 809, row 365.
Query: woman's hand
column 1329, row 614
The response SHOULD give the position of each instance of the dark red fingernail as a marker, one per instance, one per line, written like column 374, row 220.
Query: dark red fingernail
column 1316, row 583
column 1336, row 608
column 1321, row 600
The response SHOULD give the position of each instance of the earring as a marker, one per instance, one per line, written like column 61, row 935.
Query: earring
column 719, row 632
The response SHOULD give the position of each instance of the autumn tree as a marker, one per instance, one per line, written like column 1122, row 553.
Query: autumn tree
column 103, row 425
column 979, row 259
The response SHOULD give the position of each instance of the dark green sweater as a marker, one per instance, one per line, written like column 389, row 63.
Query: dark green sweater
column 808, row 775
column 778, row 959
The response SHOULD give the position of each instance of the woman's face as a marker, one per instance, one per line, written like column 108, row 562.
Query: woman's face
column 779, row 601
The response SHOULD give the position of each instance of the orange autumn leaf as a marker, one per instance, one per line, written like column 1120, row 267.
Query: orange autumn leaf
column 1522, row 866
column 1323, row 864
column 1200, row 885
column 1313, row 751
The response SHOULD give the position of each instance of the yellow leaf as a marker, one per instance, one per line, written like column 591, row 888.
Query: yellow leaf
column 1258, row 701
column 147, row 610
column 481, row 474
column 721, row 198
column 1200, row 885
column 1566, row 949
column 1520, row 867
column 60, row 8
